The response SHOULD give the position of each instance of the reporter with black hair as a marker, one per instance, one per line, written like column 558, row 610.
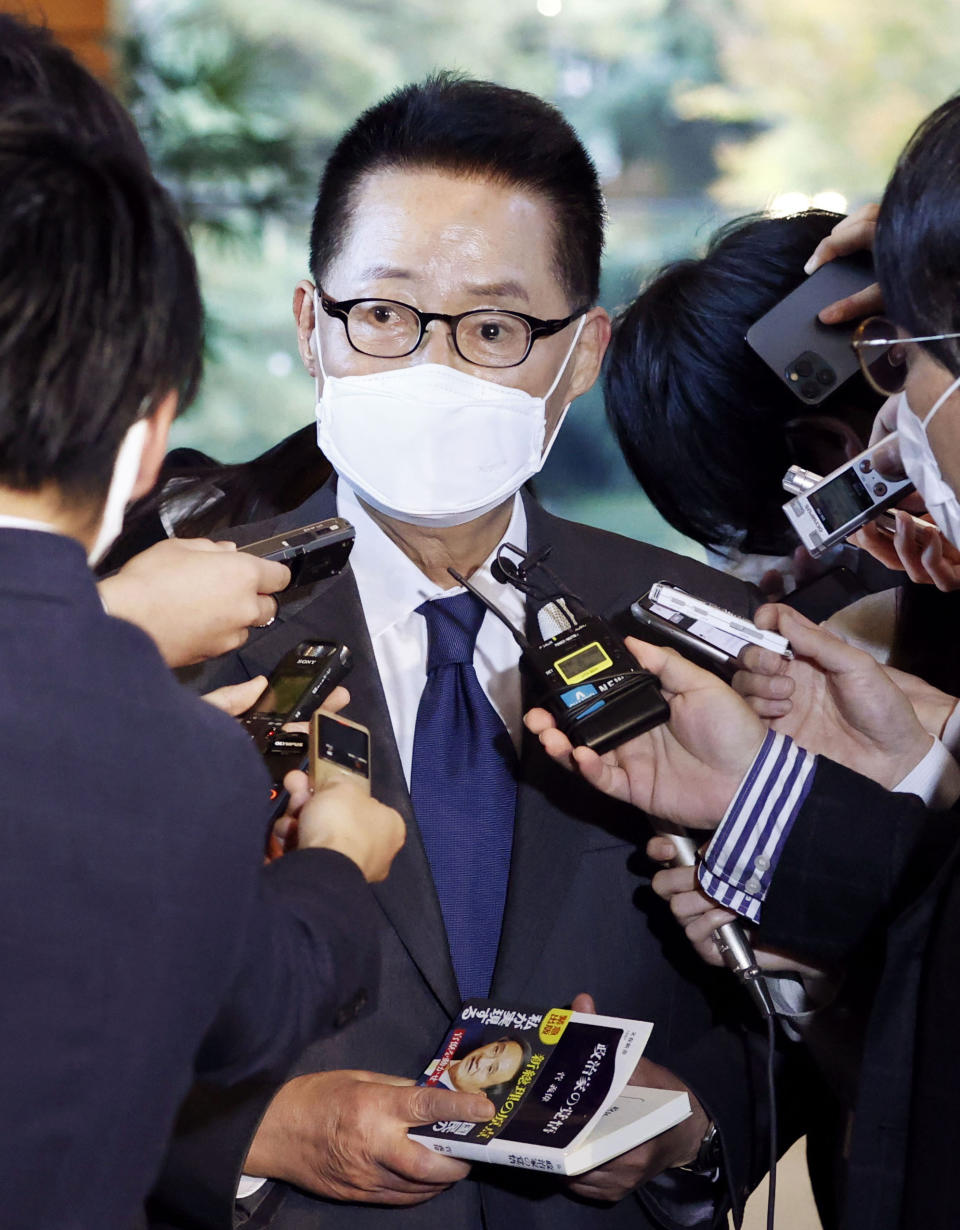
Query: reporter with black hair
column 133, row 817
column 705, row 426
column 709, row 431
column 196, row 599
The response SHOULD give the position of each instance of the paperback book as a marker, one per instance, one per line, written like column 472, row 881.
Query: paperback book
column 559, row 1082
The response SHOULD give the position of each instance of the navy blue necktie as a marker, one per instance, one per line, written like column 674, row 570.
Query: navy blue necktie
column 463, row 785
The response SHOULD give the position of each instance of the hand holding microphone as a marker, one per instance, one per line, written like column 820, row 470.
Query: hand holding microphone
column 716, row 934
column 729, row 938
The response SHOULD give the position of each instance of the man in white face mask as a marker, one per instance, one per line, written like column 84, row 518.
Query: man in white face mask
column 828, row 856
column 449, row 323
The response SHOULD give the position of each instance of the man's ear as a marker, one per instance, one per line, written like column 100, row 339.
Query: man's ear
column 155, row 445
column 583, row 368
column 304, row 316
column 588, row 356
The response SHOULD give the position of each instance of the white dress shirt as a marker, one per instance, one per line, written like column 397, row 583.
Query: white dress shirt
column 25, row 523
column 392, row 587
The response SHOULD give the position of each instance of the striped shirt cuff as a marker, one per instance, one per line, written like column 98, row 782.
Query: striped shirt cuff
column 742, row 857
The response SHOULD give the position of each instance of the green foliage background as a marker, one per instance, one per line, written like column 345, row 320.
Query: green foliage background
column 694, row 110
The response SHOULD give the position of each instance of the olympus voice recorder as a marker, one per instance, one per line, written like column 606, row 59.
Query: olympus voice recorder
column 827, row 510
column 301, row 682
column 582, row 672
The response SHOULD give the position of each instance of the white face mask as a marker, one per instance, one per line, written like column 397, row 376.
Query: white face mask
column 432, row 445
column 923, row 469
column 125, row 471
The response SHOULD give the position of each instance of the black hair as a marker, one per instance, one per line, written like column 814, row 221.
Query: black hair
column 100, row 313
column 917, row 246
column 706, row 427
column 36, row 70
column 476, row 129
column 196, row 496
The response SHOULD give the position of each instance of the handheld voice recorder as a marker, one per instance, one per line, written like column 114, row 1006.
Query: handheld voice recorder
column 827, row 510
column 707, row 635
column 339, row 749
column 582, row 672
column 312, row 553
column 301, row 682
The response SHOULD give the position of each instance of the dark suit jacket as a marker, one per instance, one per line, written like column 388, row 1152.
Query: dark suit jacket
column 579, row 917
column 130, row 896
column 864, row 868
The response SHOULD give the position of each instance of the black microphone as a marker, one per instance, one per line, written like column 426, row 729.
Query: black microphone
column 730, row 939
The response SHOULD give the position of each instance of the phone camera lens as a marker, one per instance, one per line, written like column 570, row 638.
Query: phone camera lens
column 804, row 368
column 810, row 390
column 826, row 377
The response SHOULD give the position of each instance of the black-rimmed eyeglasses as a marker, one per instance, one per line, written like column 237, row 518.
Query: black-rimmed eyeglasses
column 487, row 337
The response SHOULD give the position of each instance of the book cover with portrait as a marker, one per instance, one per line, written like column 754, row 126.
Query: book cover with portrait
column 559, row 1082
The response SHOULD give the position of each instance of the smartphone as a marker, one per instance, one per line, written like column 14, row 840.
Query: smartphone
column 827, row 510
column 312, row 553
column 707, row 635
column 811, row 358
column 339, row 749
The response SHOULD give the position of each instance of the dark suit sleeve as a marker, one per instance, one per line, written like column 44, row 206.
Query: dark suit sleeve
column 726, row 1070
column 856, row 858
column 309, row 967
column 312, row 957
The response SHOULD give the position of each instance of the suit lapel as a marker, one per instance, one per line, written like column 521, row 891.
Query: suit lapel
column 331, row 609
column 549, row 838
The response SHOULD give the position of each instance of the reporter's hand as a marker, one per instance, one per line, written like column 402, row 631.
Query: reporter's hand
column 236, row 698
column 343, row 1136
column 675, row 1147
column 855, row 233
column 931, row 706
column 687, row 770
column 343, row 817
column 832, row 699
column 196, row 598
column 701, row 917
column 916, row 548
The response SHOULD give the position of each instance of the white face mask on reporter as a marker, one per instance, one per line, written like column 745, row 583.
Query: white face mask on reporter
column 922, row 468
column 122, row 481
column 432, row 445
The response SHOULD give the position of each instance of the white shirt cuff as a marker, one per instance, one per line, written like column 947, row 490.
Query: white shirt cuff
column 248, row 1185
column 936, row 779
